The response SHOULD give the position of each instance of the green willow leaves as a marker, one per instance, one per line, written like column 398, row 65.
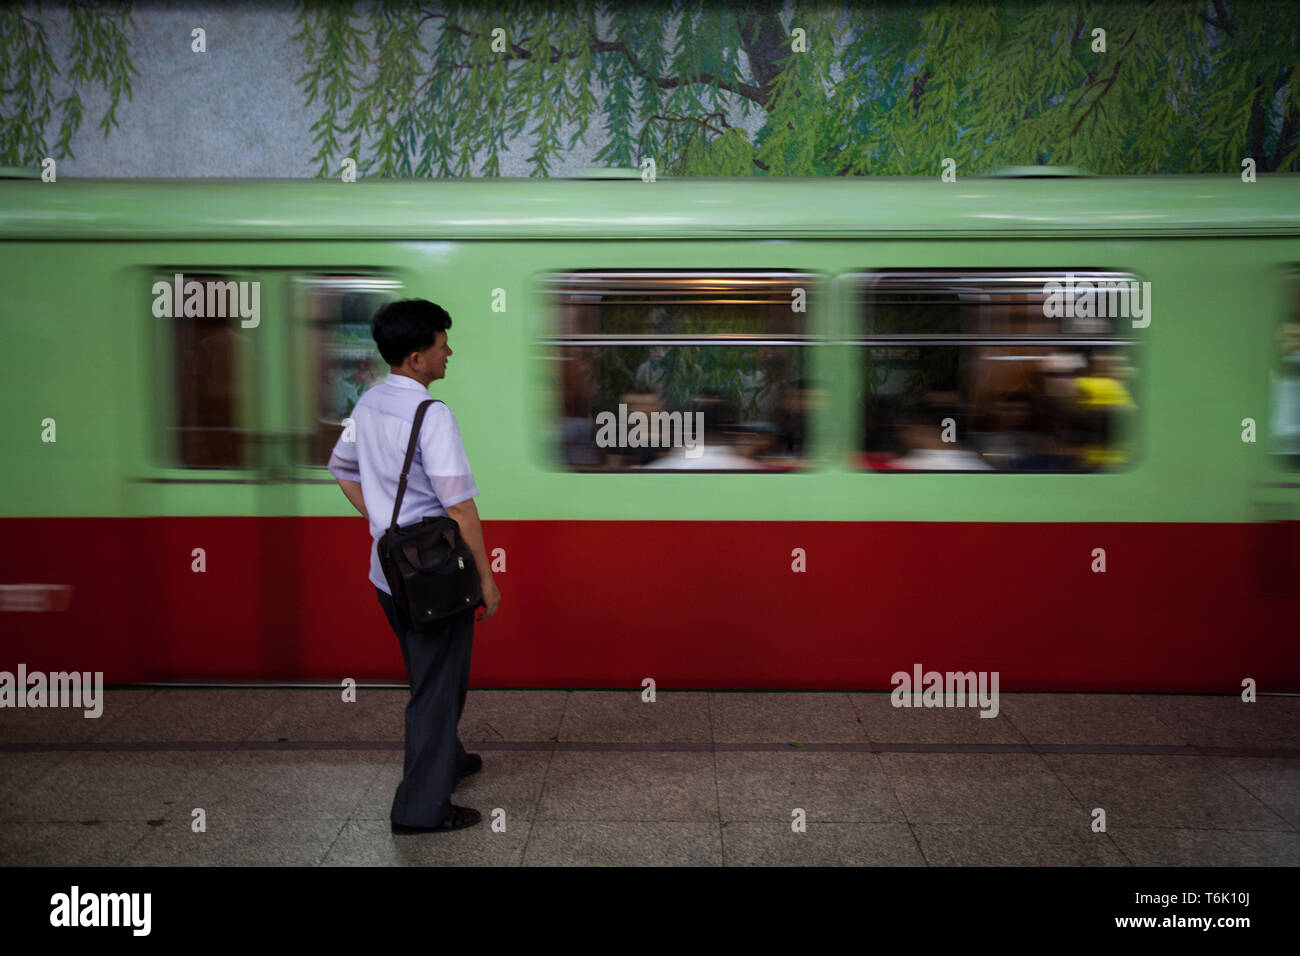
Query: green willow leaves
column 417, row 90
column 99, row 56
column 1180, row 87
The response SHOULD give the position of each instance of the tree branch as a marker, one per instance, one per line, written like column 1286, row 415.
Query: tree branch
column 434, row 76
column 1285, row 138
column 1078, row 31
column 1259, row 120
column 918, row 90
column 1222, row 23
column 1110, row 81
column 691, row 119
column 521, row 52
column 747, row 90
column 764, row 40
column 682, row 119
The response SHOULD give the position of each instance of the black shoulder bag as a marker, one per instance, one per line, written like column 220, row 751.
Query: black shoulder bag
column 428, row 565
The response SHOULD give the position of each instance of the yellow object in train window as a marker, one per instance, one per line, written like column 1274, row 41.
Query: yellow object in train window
column 1098, row 392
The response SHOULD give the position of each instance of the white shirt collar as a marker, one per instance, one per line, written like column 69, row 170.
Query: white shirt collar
column 403, row 381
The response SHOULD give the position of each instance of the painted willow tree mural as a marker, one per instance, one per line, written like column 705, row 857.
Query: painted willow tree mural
column 1168, row 87
column 99, row 56
column 838, row 89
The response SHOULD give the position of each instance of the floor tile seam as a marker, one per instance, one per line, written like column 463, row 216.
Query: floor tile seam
column 1118, row 849
column 717, row 787
column 778, row 819
column 378, row 771
column 916, row 840
column 1256, row 797
column 295, row 813
column 214, row 815
column 199, row 781
column 987, row 820
column 717, row 784
column 334, row 842
column 717, row 807
column 35, row 781
column 898, row 801
column 1149, row 706
column 184, row 818
column 1024, row 738
column 356, row 770
column 1125, row 827
column 1082, row 806
column 700, row 821
column 137, row 821
column 267, row 719
column 101, row 726
column 198, row 746
column 203, row 779
column 133, row 821
column 541, row 792
column 597, row 746
column 380, row 821
column 1068, row 789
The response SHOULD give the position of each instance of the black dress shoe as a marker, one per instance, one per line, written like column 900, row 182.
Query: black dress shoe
column 473, row 764
column 458, row 819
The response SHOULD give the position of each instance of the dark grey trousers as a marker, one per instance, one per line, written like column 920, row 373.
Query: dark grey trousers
column 437, row 665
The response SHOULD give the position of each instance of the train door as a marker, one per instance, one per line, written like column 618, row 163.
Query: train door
column 1276, row 494
column 329, row 360
column 198, row 485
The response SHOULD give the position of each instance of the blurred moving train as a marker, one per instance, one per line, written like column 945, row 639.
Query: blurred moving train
column 1048, row 427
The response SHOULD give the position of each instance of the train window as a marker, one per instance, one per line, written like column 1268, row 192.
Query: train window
column 999, row 371
column 209, row 362
column 334, row 313
column 1286, row 381
column 681, row 371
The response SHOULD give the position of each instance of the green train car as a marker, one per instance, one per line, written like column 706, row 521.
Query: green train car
column 728, row 434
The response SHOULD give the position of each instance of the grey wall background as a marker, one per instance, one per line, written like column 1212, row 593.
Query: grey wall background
column 235, row 110
column 232, row 111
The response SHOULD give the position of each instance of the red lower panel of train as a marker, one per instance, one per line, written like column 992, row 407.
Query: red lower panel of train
column 702, row 605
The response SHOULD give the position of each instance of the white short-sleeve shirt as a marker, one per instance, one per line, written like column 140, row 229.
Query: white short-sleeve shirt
column 440, row 475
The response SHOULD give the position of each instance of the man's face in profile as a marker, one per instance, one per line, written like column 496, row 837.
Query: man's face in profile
column 436, row 355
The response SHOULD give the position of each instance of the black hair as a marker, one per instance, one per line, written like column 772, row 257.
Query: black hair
column 410, row 325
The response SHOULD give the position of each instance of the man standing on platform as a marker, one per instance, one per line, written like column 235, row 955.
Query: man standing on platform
column 412, row 338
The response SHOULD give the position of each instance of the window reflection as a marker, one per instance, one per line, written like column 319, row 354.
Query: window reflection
column 969, row 372
column 336, row 311
column 682, row 371
column 209, row 362
column 1286, row 382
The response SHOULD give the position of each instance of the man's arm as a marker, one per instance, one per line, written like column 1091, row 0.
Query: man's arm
column 465, row 514
column 347, row 472
column 353, row 491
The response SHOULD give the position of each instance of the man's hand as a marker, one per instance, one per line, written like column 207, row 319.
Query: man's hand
column 465, row 515
column 491, row 599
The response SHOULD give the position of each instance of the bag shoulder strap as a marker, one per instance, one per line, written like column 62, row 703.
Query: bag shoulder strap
column 410, row 455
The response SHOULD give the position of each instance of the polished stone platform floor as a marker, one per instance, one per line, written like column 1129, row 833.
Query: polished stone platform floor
column 298, row 777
